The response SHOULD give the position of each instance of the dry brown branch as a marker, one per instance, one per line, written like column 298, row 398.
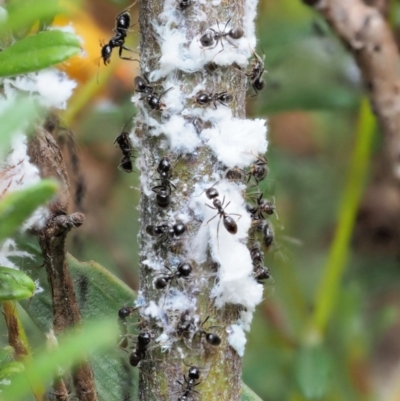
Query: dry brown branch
column 368, row 36
column 45, row 153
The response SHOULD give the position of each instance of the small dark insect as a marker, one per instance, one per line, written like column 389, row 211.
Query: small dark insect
column 184, row 4
column 230, row 224
column 262, row 206
column 117, row 41
column 189, row 384
column 258, row 170
column 267, row 232
column 260, row 272
column 142, row 85
column 256, row 73
column 122, row 26
column 163, row 191
column 139, row 353
column 182, row 271
column 235, row 174
column 124, row 143
column 186, row 324
column 154, row 100
column 166, row 232
column 212, row 37
column 124, row 313
column 211, row 338
column 204, row 98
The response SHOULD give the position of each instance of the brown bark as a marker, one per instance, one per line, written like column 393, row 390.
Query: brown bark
column 45, row 153
column 220, row 366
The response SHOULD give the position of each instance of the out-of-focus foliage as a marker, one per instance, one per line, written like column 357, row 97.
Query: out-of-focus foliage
column 36, row 52
column 15, row 284
column 16, row 207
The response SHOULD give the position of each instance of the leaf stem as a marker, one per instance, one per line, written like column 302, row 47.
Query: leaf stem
column 330, row 284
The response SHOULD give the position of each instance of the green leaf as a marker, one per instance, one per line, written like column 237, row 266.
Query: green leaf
column 6, row 355
column 11, row 369
column 38, row 51
column 11, row 121
column 73, row 348
column 248, row 394
column 15, row 284
column 24, row 13
column 99, row 293
column 312, row 367
column 17, row 206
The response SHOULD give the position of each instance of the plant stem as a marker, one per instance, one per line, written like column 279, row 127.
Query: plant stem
column 329, row 287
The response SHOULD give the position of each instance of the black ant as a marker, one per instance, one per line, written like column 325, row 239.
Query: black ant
column 190, row 383
column 211, row 338
column 261, row 273
column 140, row 350
column 256, row 74
column 235, row 173
column 230, row 224
column 123, row 313
column 184, row 4
column 267, row 232
column 258, row 170
column 204, row 98
column 163, row 195
column 124, row 143
column 142, row 85
column 166, row 232
column 186, row 324
column 211, row 38
column 182, row 271
column 163, row 191
column 263, row 206
column 123, row 21
column 154, row 100
column 121, row 29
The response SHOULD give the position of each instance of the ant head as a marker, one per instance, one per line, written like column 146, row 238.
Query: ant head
column 184, row 269
column 207, row 39
column 213, row 339
column 160, row 283
column 178, row 229
column 194, row 373
column 144, row 337
column 125, row 312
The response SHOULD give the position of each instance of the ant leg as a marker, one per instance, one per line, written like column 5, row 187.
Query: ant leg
column 227, row 23
column 126, row 58
column 218, row 229
column 212, row 217
column 222, row 45
column 235, row 214
column 231, row 43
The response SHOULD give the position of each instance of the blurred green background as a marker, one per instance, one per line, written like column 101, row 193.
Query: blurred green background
column 313, row 102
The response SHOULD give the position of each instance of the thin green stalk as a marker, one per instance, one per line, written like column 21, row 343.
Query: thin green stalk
column 328, row 289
